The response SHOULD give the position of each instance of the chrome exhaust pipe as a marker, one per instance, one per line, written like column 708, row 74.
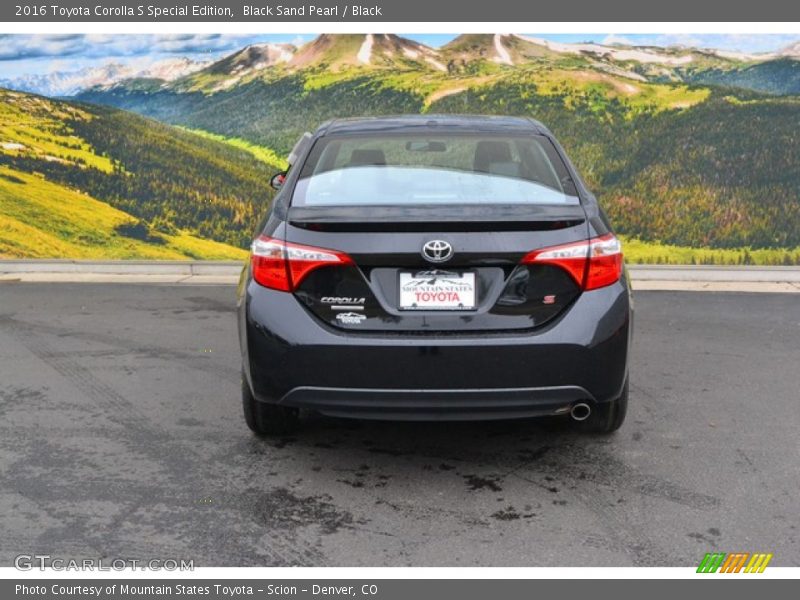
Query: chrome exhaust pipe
column 580, row 411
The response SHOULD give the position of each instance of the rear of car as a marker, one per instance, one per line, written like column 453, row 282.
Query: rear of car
column 434, row 268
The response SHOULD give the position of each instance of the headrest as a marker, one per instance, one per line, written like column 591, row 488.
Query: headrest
column 488, row 152
column 360, row 158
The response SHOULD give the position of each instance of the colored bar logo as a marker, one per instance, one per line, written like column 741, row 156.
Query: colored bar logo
column 735, row 562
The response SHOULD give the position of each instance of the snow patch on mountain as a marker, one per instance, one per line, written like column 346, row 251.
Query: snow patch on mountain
column 436, row 64
column 634, row 54
column 792, row 51
column 619, row 72
column 365, row 52
column 281, row 52
column 503, row 56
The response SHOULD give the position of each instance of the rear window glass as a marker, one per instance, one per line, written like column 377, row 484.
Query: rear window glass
column 411, row 169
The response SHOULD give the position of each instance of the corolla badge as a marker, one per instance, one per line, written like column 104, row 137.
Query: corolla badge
column 437, row 251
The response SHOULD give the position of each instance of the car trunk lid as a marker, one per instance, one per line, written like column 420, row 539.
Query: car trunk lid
column 394, row 286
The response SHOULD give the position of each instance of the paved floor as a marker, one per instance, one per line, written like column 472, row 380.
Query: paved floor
column 121, row 437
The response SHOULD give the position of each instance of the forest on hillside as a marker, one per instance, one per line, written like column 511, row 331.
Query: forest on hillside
column 171, row 180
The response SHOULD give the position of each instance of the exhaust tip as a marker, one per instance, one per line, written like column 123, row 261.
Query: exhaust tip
column 580, row 411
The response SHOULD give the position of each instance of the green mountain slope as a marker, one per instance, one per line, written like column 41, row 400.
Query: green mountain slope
column 672, row 162
column 270, row 112
column 781, row 76
column 157, row 191
column 41, row 219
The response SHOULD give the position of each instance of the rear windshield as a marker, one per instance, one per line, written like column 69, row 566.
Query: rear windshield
column 382, row 169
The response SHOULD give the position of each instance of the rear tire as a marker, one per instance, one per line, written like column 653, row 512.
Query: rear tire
column 267, row 419
column 606, row 417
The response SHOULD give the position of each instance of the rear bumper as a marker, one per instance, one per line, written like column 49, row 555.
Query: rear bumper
column 431, row 405
column 292, row 358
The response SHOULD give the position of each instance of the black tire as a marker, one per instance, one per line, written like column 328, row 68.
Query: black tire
column 607, row 417
column 267, row 419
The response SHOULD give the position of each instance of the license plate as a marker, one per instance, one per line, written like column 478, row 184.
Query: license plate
column 437, row 290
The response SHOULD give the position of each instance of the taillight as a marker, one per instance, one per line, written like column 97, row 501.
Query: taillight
column 592, row 263
column 283, row 266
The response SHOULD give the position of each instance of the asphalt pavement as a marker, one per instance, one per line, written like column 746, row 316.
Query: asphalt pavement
column 121, row 436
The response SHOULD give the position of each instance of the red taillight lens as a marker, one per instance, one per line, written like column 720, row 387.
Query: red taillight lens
column 605, row 262
column 283, row 266
column 592, row 264
column 268, row 262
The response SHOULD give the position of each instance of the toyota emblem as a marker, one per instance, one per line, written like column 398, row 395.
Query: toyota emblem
column 437, row 251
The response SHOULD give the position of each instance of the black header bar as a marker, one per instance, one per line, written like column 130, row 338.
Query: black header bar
column 437, row 11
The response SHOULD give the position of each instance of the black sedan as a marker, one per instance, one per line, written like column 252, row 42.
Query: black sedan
column 434, row 268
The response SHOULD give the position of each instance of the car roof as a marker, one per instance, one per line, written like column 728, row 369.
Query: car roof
column 442, row 123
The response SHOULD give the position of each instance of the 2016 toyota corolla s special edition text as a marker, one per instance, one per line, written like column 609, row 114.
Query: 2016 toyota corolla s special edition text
column 434, row 268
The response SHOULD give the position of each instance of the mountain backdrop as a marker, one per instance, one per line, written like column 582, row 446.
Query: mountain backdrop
column 73, row 81
column 684, row 146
